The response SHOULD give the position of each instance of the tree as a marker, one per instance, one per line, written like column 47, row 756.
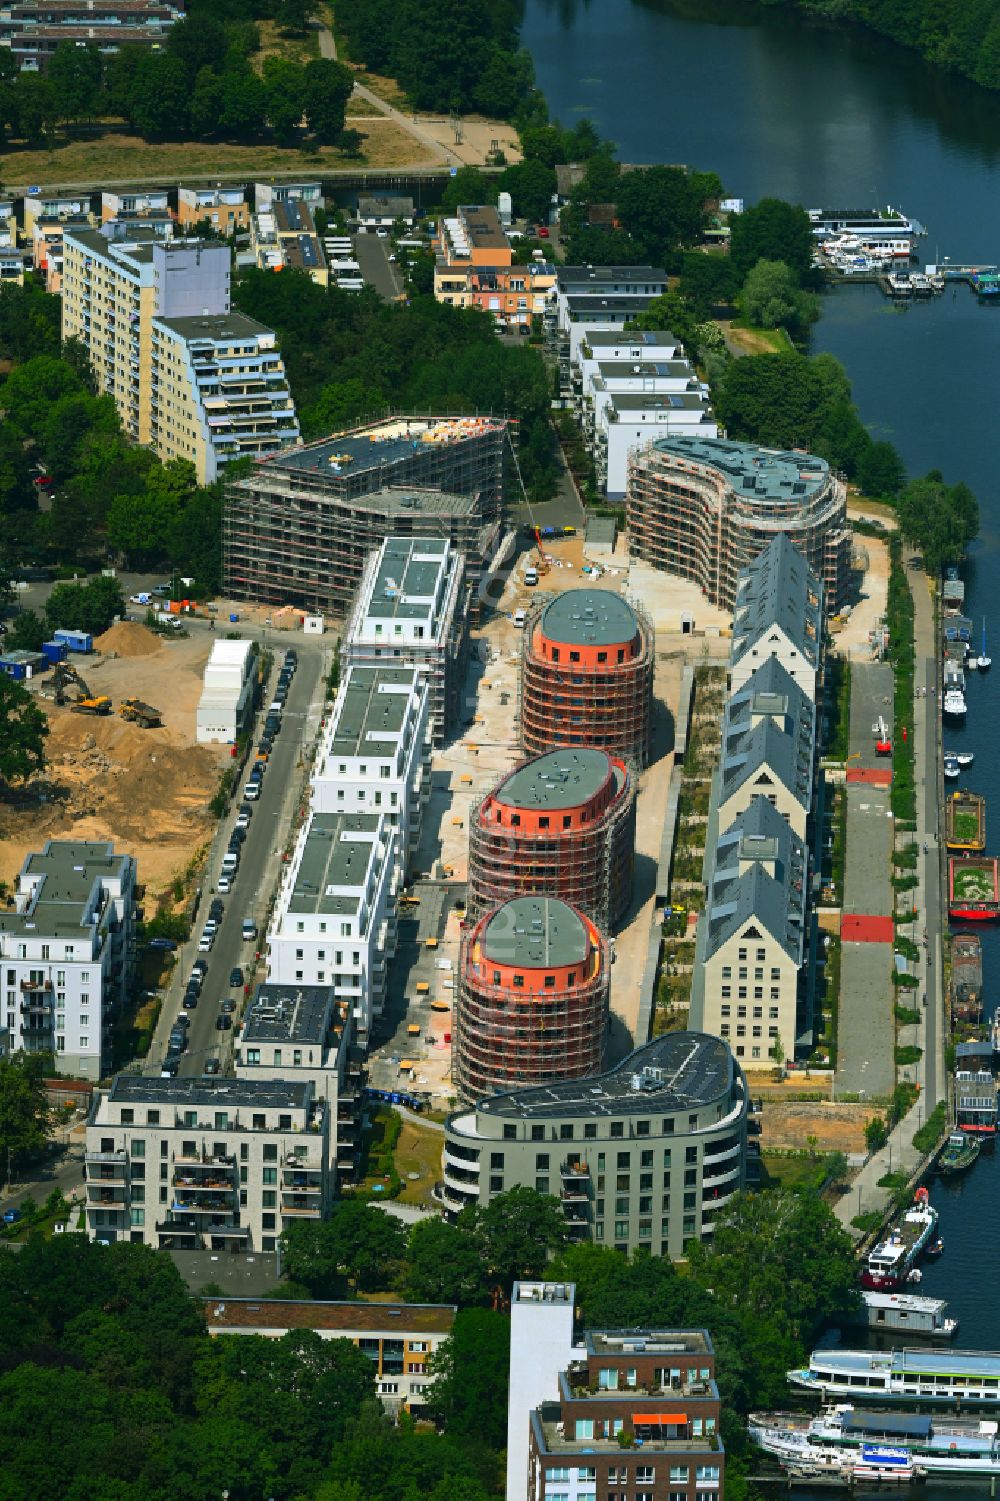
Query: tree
column 941, row 520
column 881, row 473
column 206, row 103
column 772, row 298
column 531, row 186
column 876, row 1134
column 27, row 632
column 32, row 389
column 328, row 87
column 35, row 107
column 243, row 105
column 23, row 728
column 284, row 93
column 199, row 41
column 24, row 1108
column 664, row 207
column 469, row 185
column 707, row 282
column 471, row 1376
column 771, row 230
column 17, row 493
column 515, row 1232
column 293, row 15
column 444, row 1265
column 75, row 75
column 87, row 607
column 357, row 1241
column 789, row 401
column 161, row 96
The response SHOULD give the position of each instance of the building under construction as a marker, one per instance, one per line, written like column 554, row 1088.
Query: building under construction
column 533, row 998
column 298, row 528
column 704, row 508
column 587, row 675
column 563, row 825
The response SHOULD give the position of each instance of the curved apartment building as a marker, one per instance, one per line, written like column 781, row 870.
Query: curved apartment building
column 561, row 824
column 704, row 508
column 644, row 1155
column 587, row 676
column 533, row 998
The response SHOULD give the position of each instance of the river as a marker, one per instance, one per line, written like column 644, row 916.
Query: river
column 835, row 118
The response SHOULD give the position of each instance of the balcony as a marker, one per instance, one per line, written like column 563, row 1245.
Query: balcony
column 114, row 1158
column 113, row 1195
column 197, row 1183
column 303, row 1180
column 206, row 1159
column 216, row 1204
column 573, row 1168
column 302, row 1207
column 33, row 985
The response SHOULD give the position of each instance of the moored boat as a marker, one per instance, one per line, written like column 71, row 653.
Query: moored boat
column 966, row 976
column 973, row 888
column 945, row 1377
column 951, row 769
column 958, row 1154
column 935, row 1446
column 891, row 1263
column 905, row 1313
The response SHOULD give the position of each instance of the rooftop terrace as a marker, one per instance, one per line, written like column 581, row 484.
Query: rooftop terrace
column 338, row 853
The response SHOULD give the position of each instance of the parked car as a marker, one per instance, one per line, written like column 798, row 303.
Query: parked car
column 252, row 791
column 224, row 883
column 236, row 976
column 243, row 822
column 222, row 1022
column 249, row 928
column 201, row 965
column 11, row 1216
column 190, row 1001
column 212, row 1065
column 205, row 943
column 169, row 1068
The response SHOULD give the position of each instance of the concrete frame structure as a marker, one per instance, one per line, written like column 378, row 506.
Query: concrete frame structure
column 244, row 1161
column 534, row 979
column 753, row 938
column 398, row 1338
column 67, row 952
column 561, row 824
column 704, row 507
column 779, row 612
column 304, row 1033
column 412, row 610
column 643, row 1155
column 587, row 675
column 299, row 529
column 334, row 917
column 374, row 755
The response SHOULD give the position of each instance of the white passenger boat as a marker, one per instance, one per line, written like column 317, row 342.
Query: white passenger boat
column 926, row 1445
column 970, row 1377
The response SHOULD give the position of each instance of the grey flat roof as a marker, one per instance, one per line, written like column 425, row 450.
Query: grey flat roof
column 216, row 1091
column 678, row 1071
column 598, row 275
column 375, row 447
column 592, row 617
column 405, row 586
column 614, row 337
column 660, row 401
column 763, row 474
column 558, row 779
column 587, row 302
column 215, row 326
column 646, row 369
column 407, row 500
column 649, row 1341
column 292, row 1013
column 372, row 707
column 338, row 851
column 69, row 871
column 400, row 208
column 539, row 932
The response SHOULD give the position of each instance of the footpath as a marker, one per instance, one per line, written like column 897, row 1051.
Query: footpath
column 899, row 1154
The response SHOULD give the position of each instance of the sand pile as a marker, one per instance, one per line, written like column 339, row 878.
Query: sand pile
column 127, row 639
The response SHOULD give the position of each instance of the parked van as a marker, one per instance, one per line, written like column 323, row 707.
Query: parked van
column 230, row 860
column 252, row 791
column 520, row 616
column 531, row 577
column 249, row 928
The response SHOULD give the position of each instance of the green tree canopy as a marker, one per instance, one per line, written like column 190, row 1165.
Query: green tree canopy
column 771, row 230
column 444, row 1265
column 24, row 1107
column 471, row 1377
column 772, row 298
column 23, row 728
column 85, row 607
column 516, row 1232
column 940, row 519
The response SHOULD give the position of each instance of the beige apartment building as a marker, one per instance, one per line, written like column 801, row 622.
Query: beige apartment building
column 190, row 378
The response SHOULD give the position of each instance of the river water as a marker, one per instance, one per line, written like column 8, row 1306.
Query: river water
column 840, row 119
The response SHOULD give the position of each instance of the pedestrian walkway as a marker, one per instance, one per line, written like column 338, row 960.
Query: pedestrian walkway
column 865, row 1029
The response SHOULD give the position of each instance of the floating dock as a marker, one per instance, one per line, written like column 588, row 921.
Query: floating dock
column 973, row 888
column 965, row 822
column 966, row 977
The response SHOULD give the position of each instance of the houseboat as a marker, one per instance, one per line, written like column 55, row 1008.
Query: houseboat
column 966, row 977
column 958, row 1154
column 973, row 882
column 969, row 1377
column 890, row 1264
column 935, row 1445
column 965, row 821
column 905, row 1313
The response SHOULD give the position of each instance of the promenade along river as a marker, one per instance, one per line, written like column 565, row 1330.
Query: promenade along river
column 841, row 119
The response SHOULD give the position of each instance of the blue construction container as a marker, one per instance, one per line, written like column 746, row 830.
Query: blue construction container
column 80, row 641
column 16, row 670
column 54, row 651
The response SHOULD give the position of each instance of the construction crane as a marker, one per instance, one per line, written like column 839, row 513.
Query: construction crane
column 144, row 715
column 67, row 686
column 544, row 562
column 883, row 740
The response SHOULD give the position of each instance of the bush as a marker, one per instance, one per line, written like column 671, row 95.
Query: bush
column 867, row 1222
column 930, row 1133
column 876, row 1134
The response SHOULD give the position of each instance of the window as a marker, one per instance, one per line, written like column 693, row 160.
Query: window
column 621, row 1229
column 607, row 1379
column 584, row 1428
column 566, row 1131
column 679, row 1474
column 509, row 1134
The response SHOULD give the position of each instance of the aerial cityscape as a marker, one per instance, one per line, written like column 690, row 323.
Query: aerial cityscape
column 499, row 881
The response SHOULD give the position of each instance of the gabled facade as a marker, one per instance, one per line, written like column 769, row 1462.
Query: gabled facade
column 778, row 612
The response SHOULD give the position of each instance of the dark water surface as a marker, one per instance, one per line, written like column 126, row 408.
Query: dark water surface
column 842, row 119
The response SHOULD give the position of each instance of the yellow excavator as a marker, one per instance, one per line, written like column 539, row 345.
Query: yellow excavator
column 66, row 686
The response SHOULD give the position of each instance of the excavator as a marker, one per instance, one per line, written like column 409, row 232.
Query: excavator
column 144, row 715
column 66, row 686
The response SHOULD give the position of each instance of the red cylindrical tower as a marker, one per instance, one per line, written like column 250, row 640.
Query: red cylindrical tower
column 587, row 675
column 561, row 824
column 533, row 998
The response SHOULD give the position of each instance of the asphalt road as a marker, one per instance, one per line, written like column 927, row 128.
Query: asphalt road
column 252, row 887
column 372, row 255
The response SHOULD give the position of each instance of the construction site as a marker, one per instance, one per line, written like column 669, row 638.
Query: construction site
column 299, row 528
column 122, row 760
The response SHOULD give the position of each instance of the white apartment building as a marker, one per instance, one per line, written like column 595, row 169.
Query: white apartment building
column 303, row 1033
column 226, row 704
column 267, row 194
column 55, row 206
column 139, row 201
column 218, row 1164
column 411, row 610
column 625, row 420
column 753, row 938
column 374, row 754
column 66, row 951
column 334, row 919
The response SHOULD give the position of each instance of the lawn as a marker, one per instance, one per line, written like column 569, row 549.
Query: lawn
column 759, row 340
column 973, row 882
column 790, row 1172
column 276, row 43
column 418, row 1151
column 965, row 825
column 113, row 160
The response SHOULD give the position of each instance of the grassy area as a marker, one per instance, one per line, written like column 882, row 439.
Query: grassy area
column 274, row 42
column 973, row 882
column 965, row 825
column 839, row 695
column 418, row 1150
column 114, row 159
column 791, row 1172
column 759, row 340
column 930, row 1133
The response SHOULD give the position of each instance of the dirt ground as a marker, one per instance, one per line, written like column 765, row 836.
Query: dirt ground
column 870, row 605
column 837, row 1128
column 147, row 790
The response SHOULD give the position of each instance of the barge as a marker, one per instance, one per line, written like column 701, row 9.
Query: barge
column 965, row 822
column 973, row 888
column 966, row 977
